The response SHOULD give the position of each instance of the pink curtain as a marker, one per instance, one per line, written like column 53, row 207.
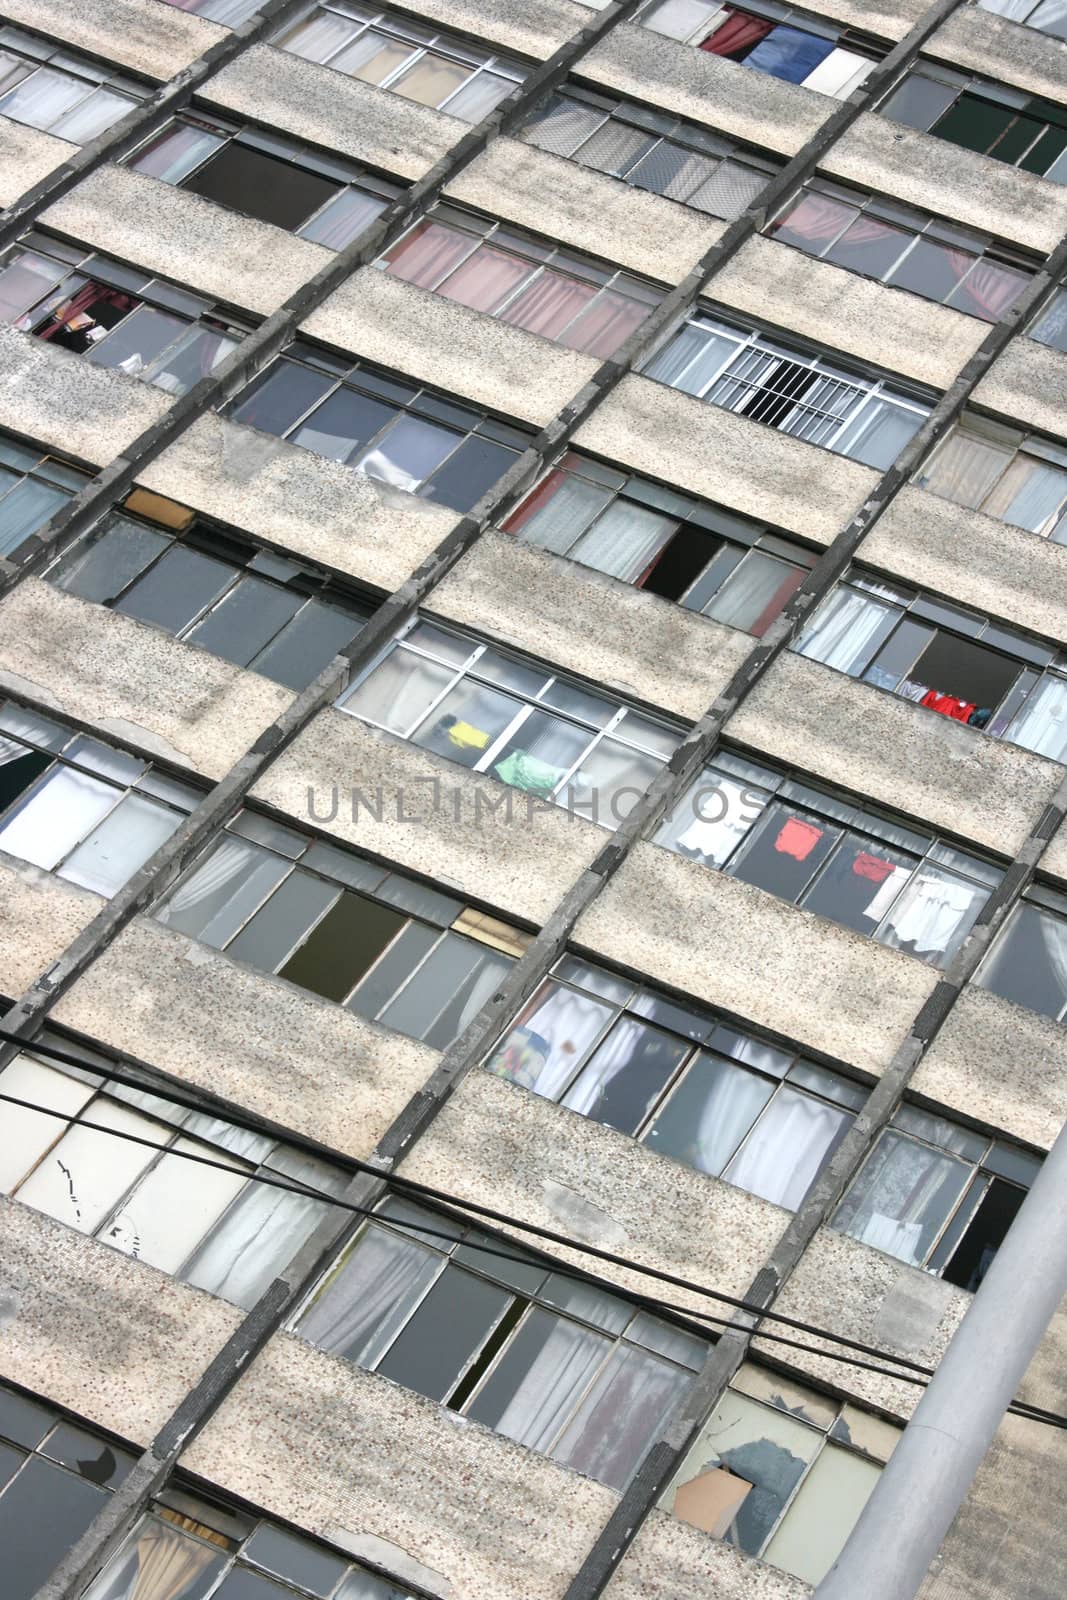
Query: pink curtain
column 604, row 327
column 541, row 495
column 549, row 304
column 86, row 299
column 486, row 278
column 991, row 287
column 425, row 255
column 738, row 33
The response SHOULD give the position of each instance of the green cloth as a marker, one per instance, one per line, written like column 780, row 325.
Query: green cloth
column 525, row 771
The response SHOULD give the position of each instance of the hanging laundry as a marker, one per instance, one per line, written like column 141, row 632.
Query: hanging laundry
column 873, row 867
column 464, row 735
column 798, row 839
column 524, row 771
column 980, row 718
column 949, row 705
column 932, row 914
column 888, row 893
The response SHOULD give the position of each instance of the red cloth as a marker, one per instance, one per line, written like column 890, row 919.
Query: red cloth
column 873, row 867
column 949, row 705
column 739, row 32
column 798, row 839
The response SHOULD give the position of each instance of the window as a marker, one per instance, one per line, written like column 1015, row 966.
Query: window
column 262, row 175
column 559, row 1365
column 782, row 1471
column 390, row 949
column 45, row 86
column 114, row 315
column 946, row 658
column 1048, row 15
column 710, row 1095
column 784, row 387
column 937, row 1196
column 185, row 1548
column 399, row 433
column 1017, row 477
column 33, row 487
column 81, row 809
column 1027, row 963
column 651, row 150
column 530, row 728
column 1050, row 325
column 268, row 612
column 222, row 1231
column 420, row 62
column 882, row 878
column 711, row 561
column 230, row 12
column 988, row 118
column 902, row 247
column 54, row 1478
column 775, row 39
column 543, row 288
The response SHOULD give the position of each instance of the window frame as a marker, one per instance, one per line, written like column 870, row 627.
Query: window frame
column 11, row 447
column 987, row 92
column 1023, row 444
column 38, row 51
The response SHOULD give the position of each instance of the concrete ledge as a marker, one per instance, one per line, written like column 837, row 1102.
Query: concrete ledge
column 40, row 916
column 26, row 156
column 1028, row 385
column 132, row 33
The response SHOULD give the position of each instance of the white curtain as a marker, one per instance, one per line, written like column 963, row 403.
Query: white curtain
column 844, row 630
column 964, row 469
column 620, row 1416
column 1041, row 725
column 547, row 1368
column 787, row 1148
column 624, row 540
column 1029, row 494
column 368, row 1295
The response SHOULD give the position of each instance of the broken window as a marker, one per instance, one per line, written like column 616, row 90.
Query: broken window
column 113, row 315
column 33, row 487
column 409, row 58
column 853, row 864
column 561, row 1366
column 710, row 1095
column 88, row 812
column 1027, row 963
column 1050, row 16
column 803, row 394
column 937, row 1196
column 782, row 1471
column 989, row 118
column 220, row 1230
column 1017, row 477
column 229, row 12
column 55, row 1476
column 271, row 613
column 389, row 948
column 651, row 150
column 544, row 288
column 946, row 658
column 399, row 433
column 902, row 247
column 530, row 728
column 266, row 176
column 46, row 86
column 186, row 1548
column 712, row 561
column 774, row 39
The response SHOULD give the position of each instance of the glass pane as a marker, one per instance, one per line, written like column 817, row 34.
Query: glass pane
column 790, row 1145
column 299, row 1559
column 246, row 620
column 479, row 96
column 344, row 219
column 43, row 1513
column 408, row 453
column 195, row 355
column 306, row 645
column 448, row 990
column 27, row 1135
column 172, row 1562
column 709, row 1114
column 368, row 1297
column 177, row 589
column 137, row 340
column 120, row 845
column 170, row 1212
column 858, row 883
column 466, row 722
column 278, row 926
column 551, row 1039
column 24, row 509
column 903, row 1197
column 280, row 395
column 449, row 1327
column 468, row 473
column 539, row 753
column 627, row 1074
column 399, row 691
column 52, row 817
column 1028, row 963
column 621, row 1415
column 25, row 278
column 101, row 110
column 214, row 899
column 43, row 97
column 539, row 1379
column 342, row 424
column 89, row 1171
column 100, row 566
column 783, row 851
column 933, row 915
column 931, row 269
column 823, row 1514
column 429, row 80
column 175, row 152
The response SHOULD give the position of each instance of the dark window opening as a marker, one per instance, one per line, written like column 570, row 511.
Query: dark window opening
column 261, row 186
column 985, row 1234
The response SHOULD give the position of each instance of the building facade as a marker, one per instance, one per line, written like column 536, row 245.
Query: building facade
column 518, row 1047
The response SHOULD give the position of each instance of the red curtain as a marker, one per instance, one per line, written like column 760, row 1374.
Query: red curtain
column 739, row 32
column 87, row 298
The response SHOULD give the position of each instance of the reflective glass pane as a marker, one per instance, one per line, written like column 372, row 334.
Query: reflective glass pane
column 548, row 1044
column 626, row 1075
column 120, row 844
column 42, row 1515
column 823, row 1514
column 51, row 819
column 903, row 1197
column 709, row 1114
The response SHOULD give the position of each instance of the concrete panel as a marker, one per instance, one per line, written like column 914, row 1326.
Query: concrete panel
column 299, row 501
column 332, row 110
column 767, row 112
column 864, row 1294
column 587, row 210
column 895, row 330
column 27, row 156
column 360, row 1461
column 645, row 647
column 499, row 1145
column 978, row 560
column 670, row 1560
column 133, row 33
column 949, row 181
column 464, row 352
column 923, row 764
column 534, row 28
column 1024, row 57
column 740, row 948
column 469, row 833
column 1001, row 1064
column 299, row 1061
column 737, row 463
column 39, row 917
column 1027, row 385
column 61, row 399
column 1054, row 860
column 205, row 246
column 1009, row 1536
column 131, row 679
column 90, row 1328
column 889, row 19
